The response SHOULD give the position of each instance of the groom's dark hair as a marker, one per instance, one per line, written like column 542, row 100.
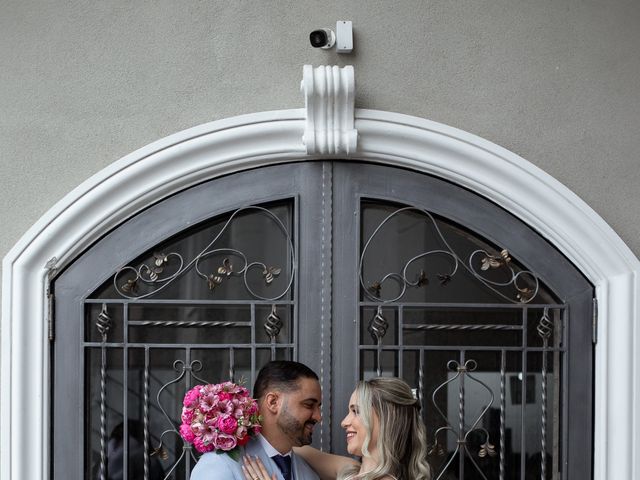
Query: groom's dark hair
column 281, row 375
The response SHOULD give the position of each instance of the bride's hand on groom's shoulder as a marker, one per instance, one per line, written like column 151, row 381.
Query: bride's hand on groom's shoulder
column 253, row 469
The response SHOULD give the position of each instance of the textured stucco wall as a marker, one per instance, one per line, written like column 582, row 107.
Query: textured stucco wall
column 84, row 83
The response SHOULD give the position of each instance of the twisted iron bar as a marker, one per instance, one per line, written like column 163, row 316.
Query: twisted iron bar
column 487, row 326
column 103, row 324
column 524, row 295
column 503, row 362
column 186, row 324
column 146, row 413
column 544, row 328
column 461, row 423
column 150, row 276
column 421, row 382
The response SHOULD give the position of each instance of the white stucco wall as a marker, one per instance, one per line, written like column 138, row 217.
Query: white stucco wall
column 84, row 83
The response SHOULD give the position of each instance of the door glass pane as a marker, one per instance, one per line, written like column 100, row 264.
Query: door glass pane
column 477, row 336
column 214, row 303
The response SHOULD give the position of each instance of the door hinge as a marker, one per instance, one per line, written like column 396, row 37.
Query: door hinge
column 52, row 269
column 594, row 320
column 50, row 315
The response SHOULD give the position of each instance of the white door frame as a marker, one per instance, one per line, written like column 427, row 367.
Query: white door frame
column 208, row 151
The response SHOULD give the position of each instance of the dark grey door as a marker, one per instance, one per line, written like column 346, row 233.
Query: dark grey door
column 487, row 322
column 332, row 263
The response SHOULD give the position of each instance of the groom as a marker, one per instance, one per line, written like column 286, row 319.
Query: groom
column 289, row 399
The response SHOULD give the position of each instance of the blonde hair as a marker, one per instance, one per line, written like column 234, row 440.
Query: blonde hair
column 401, row 444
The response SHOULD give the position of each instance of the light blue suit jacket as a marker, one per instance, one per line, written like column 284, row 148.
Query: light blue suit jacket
column 214, row 466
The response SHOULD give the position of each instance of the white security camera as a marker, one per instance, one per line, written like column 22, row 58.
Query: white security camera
column 322, row 38
column 326, row 38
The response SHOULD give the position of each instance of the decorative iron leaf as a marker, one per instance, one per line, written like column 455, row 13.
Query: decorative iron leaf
column 131, row 286
column 487, row 449
column 161, row 452
column 159, row 259
column 490, row 262
column 444, row 279
column 423, row 280
column 270, row 273
column 226, row 268
column 524, row 294
column 213, row 281
column 436, row 449
column 375, row 288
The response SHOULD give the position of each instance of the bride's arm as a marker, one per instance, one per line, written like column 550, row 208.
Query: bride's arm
column 326, row 465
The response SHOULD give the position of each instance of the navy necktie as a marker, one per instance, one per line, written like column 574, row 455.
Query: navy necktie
column 284, row 464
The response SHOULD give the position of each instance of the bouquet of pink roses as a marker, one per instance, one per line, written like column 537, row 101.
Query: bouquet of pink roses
column 219, row 417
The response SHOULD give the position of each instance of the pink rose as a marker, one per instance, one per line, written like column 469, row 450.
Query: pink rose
column 191, row 398
column 225, row 396
column 227, row 424
column 199, row 428
column 252, row 408
column 187, row 415
column 241, row 432
column 226, row 442
column 201, row 446
column 187, row 433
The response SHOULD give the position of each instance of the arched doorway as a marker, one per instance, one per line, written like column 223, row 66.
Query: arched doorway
column 210, row 151
column 332, row 263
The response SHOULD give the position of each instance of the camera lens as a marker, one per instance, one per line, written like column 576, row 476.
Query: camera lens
column 318, row 38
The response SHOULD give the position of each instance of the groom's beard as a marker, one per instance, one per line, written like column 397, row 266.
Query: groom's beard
column 299, row 433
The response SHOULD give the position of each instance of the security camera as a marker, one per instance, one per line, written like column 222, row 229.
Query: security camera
column 322, row 38
column 326, row 38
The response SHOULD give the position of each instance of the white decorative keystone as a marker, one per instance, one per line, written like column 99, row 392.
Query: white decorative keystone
column 329, row 98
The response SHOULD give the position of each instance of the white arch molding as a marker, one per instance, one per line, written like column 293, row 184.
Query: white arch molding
column 231, row 145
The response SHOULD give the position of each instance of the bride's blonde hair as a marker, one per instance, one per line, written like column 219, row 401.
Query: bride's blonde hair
column 401, row 444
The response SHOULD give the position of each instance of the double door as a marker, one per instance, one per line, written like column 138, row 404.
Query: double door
column 357, row 270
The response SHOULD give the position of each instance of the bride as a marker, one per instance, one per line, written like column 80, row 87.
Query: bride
column 383, row 428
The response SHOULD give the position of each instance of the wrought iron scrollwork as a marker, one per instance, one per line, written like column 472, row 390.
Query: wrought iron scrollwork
column 524, row 282
column 460, row 431
column 182, row 368
column 128, row 280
